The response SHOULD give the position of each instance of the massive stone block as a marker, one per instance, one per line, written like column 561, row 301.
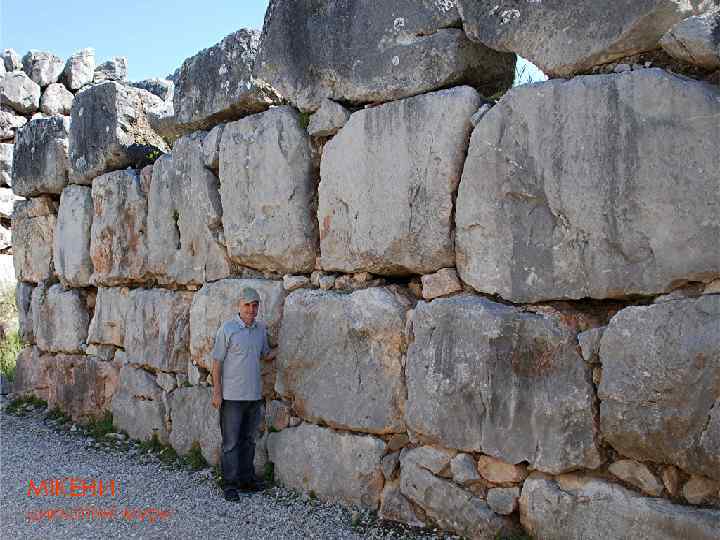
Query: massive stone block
column 337, row 349
column 71, row 248
column 42, row 67
column 217, row 84
column 597, row 510
column 79, row 69
column 267, row 189
column 564, row 38
column 32, row 374
column 696, row 40
column 9, row 124
column 40, row 157
column 217, row 302
column 660, row 387
column 138, row 406
column 60, row 319
column 157, row 329
column 388, row 180
column 19, row 92
column 81, row 386
column 185, row 232
column 366, row 51
column 33, row 227
column 6, row 163
column 452, row 507
column 108, row 323
column 337, row 466
column 491, row 378
column 195, row 420
column 118, row 236
column 601, row 187
column 23, row 302
column 56, row 100
column 107, row 121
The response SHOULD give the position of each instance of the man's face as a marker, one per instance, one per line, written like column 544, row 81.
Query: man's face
column 248, row 311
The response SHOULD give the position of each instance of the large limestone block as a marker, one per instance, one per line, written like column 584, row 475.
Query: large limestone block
column 20, row 93
column 598, row 510
column 157, row 329
column 9, row 124
column 217, row 84
column 82, row 386
column 217, row 302
column 337, row 466
column 108, row 323
column 60, row 319
column 401, row 161
column 12, row 60
column 7, row 204
column 79, row 69
column 33, row 227
column 42, row 67
column 267, row 188
column 40, row 157
column 660, row 387
column 114, row 69
column 32, row 374
column 6, row 163
column 485, row 377
column 366, row 51
column 567, row 37
column 696, row 40
column 138, row 407
column 452, row 507
column 195, row 420
column 340, row 358
column 71, row 248
column 107, row 120
column 56, row 100
column 185, row 232
column 118, row 236
column 162, row 88
column 23, row 302
column 601, row 187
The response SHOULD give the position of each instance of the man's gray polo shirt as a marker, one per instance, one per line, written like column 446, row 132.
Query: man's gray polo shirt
column 239, row 349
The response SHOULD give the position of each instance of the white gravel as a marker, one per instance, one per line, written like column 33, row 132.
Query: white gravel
column 33, row 448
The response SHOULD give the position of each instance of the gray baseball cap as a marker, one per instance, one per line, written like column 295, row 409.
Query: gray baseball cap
column 248, row 295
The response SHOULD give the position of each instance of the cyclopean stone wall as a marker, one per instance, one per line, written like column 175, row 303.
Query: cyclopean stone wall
column 490, row 316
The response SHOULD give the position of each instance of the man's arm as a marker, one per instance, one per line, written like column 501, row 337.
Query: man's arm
column 270, row 355
column 218, row 354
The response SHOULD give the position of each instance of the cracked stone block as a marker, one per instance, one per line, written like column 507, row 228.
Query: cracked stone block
column 33, row 227
column 108, row 323
column 40, row 157
column 20, row 93
column 71, row 248
column 60, row 319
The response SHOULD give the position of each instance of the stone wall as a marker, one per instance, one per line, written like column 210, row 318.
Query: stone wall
column 490, row 315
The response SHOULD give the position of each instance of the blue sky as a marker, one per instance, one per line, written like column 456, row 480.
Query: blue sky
column 155, row 35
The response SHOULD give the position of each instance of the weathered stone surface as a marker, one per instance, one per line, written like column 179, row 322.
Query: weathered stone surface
column 9, row 124
column 23, row 301
column 638, row 475
column 696, row 40
column 79, row 69
column 565, row 38
column 162, row 88
column 671, row 479
column 40, row 157
column 195, row 420
column 364, row 52
column 336, row 466
column 42, row 67
column 56, row 100
column 500, row 472
column 18, row 91
column 292, row 283
column 81, row 386
column 565, row 192
column 32, row 373
column 316, row 371
column 108, row 121
column 7, row 204
column 33, row 227
column 114, row 69
column 464, row 469
column 71, row 243
column 482, row 376
column 395, row 507
column 452, row 507
column 267, row 188
column 138, row 407
column 436, row 460
column 698, row 489
column 217, row 302
column 589, row 342
column 184, row 224
column 328, row 119
column 443, row 282
column 108, row 323
column 118, row 236
column 217, row 84
column 6, row 242
column 12, row 60
column 60, row 319
column 6, row 162
column 166, row 381
column 211, row 148
column 548, row 511
column 278, row 415
column 660, row 389
column 157, row 329
column 402, row 161
column 390, row 464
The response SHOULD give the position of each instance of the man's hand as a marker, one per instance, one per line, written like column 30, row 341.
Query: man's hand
column 216, row 399
column 271, row 355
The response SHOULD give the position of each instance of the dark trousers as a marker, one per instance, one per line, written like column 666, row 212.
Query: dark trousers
column 239, row 422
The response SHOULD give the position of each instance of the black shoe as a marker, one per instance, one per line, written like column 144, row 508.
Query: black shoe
column 252, row 487
column 231, row 495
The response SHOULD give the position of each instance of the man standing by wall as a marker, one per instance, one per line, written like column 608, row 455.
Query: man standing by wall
column 240, row 345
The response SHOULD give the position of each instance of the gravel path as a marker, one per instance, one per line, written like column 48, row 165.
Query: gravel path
column 32, row 448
